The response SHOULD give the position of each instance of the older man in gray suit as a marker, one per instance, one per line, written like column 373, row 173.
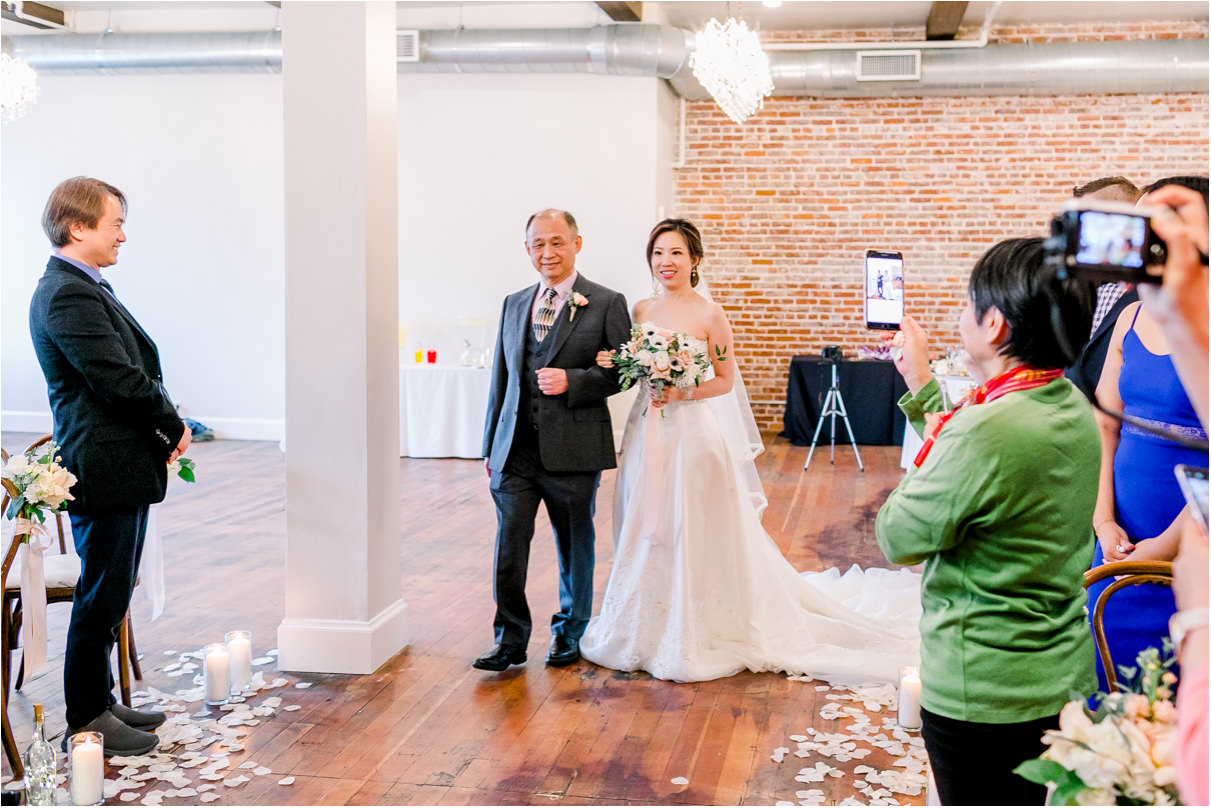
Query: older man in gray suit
column 548, row 436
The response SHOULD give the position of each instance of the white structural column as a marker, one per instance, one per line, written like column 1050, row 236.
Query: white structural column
column 344, row 612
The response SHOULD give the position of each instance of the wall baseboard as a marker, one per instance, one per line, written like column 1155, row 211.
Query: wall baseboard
column 224, row 428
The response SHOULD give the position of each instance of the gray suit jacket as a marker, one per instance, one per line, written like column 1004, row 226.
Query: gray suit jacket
column 575, row 432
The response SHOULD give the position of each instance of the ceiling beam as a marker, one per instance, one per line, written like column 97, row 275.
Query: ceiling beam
column 944, row 19
column 623, row 12
column 35, row 15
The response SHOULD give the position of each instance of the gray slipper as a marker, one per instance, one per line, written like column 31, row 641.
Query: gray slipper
column 135, row 719
column 119, row 739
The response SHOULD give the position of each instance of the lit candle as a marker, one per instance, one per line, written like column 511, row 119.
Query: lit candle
column 239, row 648
column 87, row 768
column 910, row 698
column 217, row 673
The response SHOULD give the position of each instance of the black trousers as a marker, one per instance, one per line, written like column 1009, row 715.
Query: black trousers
column 570, row 498
column 973, row 763
column 109, row 546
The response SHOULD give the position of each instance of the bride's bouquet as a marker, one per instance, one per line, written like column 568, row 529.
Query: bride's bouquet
column 662, row 357
column 1123, row 753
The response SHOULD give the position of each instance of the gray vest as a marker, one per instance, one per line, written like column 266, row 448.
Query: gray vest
column 536, row 357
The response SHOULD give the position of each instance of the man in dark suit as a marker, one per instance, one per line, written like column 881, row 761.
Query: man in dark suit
column 117, row 430
column 548, row 435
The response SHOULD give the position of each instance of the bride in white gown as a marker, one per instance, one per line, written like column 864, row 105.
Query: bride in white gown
column 698, row 590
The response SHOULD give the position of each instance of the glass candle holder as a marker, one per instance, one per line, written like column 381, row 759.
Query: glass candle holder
column 239, row 653
column 909, row 716
column 216, row 673
column 86, row 768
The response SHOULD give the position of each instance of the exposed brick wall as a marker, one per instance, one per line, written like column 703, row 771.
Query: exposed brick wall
column 789, row 202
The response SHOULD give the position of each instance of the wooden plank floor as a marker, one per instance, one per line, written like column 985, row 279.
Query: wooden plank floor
column 427, row 728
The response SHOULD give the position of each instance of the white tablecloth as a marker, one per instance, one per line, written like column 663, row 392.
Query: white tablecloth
column 954, row 387
column 442, row 410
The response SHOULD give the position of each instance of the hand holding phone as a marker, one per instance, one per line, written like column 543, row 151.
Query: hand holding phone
column 1193, row 482
column 883, row 295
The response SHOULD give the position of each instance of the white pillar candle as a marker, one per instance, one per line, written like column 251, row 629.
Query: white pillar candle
column 910, row 699
column 217, row 673
column 239, row 649
column 87, row 768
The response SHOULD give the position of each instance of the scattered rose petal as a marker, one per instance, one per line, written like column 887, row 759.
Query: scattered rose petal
column 303, row 685
column 261, row 771
column 209, row 796
column 285, row 781
column 679, row 781
column 264, row 660
column 292, row 707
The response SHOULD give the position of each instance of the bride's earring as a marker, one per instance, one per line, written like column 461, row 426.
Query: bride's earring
column 694, row 276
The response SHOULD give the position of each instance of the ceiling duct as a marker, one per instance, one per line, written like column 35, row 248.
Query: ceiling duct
column 640, row 49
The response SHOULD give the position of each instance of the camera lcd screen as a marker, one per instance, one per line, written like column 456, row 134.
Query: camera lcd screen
column 1111, row 239
column 884, row 290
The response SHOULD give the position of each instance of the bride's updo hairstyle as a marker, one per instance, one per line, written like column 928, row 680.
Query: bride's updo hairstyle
column 693, row 240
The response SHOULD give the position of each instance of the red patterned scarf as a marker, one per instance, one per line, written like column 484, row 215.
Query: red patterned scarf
column 1019, row 378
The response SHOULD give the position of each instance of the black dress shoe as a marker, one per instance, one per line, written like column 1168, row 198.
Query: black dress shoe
column 563, row 651
column 501, row 657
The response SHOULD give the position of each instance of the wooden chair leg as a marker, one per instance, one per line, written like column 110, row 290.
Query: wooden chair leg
column 6, row 730
column 124, row 660
column 14, row 635
column 10, row 747
column 132, row 650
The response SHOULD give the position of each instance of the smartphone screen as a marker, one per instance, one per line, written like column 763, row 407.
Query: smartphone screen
column 884, row 290
column 1193, row 482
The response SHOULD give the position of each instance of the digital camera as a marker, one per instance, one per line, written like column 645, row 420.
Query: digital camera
column 832, row 353
column 1104, row 242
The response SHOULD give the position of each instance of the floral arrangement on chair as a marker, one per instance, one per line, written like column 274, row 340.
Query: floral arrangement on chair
column 37, row 484
column 1123, row 753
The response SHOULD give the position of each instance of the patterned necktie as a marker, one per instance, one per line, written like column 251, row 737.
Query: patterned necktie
column 545, row 318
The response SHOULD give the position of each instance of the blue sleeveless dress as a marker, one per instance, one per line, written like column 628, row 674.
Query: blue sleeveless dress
column 1146, row 494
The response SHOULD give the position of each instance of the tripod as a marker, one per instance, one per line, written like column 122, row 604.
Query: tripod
column 834, row 405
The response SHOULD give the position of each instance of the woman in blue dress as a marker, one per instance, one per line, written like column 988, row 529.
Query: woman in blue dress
column 1140, row 506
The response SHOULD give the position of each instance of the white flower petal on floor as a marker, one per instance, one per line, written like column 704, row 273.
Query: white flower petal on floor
column 779, row 754
column 303, row 685
column 209, row 796
column 262, row 660
column 261, row 771
column 285, row 781
column 680, row 781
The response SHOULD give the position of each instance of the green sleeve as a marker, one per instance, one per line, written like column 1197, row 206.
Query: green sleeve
column 927, row 399
column 934, row 506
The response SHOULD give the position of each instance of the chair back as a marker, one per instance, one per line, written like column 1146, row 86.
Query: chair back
column 1125, row 573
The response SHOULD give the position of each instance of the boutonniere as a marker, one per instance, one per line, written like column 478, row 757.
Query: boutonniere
column 575, row 301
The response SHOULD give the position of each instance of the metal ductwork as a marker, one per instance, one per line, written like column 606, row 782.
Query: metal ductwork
column 639, row 49
column 115, row 54
column 1046, row 68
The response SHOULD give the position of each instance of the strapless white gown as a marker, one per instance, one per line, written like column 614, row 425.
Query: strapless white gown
column 698, row 590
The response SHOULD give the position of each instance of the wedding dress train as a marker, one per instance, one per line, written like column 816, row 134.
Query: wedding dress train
column 698, row 590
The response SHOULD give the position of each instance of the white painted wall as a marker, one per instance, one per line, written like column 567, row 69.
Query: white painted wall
column 199, row 157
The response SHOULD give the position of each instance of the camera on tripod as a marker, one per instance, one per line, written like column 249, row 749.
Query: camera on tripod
column 832, row 353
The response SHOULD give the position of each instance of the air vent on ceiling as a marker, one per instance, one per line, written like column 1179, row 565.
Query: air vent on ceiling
column 889, row 65
column 407, row 46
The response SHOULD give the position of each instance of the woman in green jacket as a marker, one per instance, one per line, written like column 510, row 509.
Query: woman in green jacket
column 998, row 507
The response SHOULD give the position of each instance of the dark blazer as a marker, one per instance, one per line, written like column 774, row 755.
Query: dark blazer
column 575, row 432
column 113, row 419
column 1088, row 368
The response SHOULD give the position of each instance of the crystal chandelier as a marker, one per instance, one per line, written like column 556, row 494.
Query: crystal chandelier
column 18, row 87
column 729, row 63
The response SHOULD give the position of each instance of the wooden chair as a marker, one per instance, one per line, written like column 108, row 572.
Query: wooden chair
column 1127, row 573
column 62, row 572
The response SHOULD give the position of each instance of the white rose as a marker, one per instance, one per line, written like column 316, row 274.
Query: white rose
column 17, row 464
column 644, row 359
column 660, row 361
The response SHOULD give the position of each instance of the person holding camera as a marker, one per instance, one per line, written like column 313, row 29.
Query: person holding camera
column 1140, row 507
column 997, row 507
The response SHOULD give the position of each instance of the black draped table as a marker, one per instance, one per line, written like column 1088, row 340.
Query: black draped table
column 869, row 388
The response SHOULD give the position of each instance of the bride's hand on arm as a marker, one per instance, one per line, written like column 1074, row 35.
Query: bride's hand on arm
column 605, row 359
